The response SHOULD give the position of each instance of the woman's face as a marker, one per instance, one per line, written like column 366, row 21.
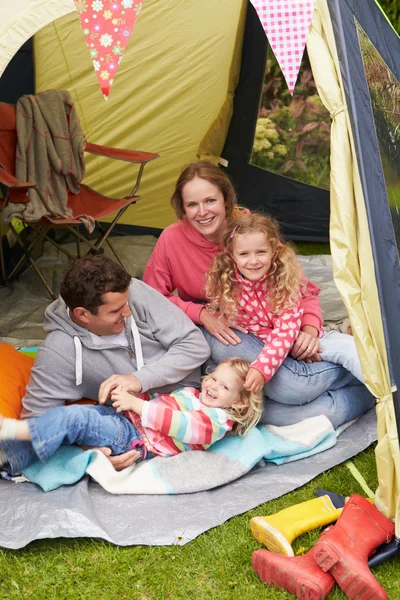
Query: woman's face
column 204, row 208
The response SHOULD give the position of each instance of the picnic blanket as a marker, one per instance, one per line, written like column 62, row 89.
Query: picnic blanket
column 188, row 472
column 50, row 147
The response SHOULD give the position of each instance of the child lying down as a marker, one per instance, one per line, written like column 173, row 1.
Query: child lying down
column 164, row 425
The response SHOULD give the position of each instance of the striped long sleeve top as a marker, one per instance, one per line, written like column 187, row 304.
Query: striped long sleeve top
column 178, row 422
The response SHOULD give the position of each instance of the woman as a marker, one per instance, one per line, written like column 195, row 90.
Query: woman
column 204, row 200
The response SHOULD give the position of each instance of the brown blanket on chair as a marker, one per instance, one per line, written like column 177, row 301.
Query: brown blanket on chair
column 50, row 147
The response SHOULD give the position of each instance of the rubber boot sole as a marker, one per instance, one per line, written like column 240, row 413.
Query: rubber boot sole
column 302, row 587
column 350, row 582
column 271, row 537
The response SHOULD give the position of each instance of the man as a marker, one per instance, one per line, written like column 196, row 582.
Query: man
column 108, row 329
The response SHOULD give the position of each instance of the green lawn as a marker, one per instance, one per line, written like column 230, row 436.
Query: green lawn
column 215, row 566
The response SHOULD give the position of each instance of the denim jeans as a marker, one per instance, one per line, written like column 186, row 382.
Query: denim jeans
column 299, row 390
column 340, row 348
column 82, row 425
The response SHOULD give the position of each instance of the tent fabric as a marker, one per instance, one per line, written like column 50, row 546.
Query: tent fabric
column 155, row 104
column 352, row 253
column 302, row 210
column 379, row 267
column 21, row 19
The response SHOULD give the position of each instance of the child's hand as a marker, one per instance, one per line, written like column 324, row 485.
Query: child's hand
column 121, row 399
column 254, row 381
column 129, row 382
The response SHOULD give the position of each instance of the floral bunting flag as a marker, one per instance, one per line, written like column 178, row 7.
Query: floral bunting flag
column 286, row 24
column 107, row 25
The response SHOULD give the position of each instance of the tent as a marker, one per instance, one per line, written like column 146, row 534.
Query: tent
column 189, row 85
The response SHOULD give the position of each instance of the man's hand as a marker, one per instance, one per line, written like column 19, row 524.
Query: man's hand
column 220, row 327
column 129, row 382
column 121, row 461
column 307, row 346
column 254, row 381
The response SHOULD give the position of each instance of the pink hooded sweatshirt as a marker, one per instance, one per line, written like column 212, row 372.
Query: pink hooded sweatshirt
column 181, row 260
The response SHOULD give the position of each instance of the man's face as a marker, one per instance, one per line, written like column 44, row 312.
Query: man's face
column 110, row 318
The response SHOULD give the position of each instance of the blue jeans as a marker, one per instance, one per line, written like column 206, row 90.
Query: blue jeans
column 340, row 348
column 299, row 390
column 82, row 425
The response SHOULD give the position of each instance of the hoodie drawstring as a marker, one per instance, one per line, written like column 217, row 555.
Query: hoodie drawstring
column 137, row 347
column 137, row 343
column 78, row 360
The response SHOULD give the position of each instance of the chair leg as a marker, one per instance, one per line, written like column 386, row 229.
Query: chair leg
column 59, row 248
column 106, row 232
column 115, row 254
column 2, row 263
column 39, row 234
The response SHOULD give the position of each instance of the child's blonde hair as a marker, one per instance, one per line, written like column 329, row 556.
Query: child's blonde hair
column 285, row 277
column 248, row 411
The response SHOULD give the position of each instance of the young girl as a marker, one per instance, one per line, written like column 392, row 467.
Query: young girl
column 160, row 425
column 257, row 281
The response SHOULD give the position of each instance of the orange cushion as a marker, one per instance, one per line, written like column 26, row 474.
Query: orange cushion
column 15, row 369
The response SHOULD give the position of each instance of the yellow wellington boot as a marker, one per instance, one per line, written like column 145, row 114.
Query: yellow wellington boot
column 278, row 531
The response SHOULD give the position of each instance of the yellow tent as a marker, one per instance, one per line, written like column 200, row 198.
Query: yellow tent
column 174, row 94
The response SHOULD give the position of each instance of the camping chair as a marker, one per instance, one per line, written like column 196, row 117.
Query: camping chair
column 87, row 201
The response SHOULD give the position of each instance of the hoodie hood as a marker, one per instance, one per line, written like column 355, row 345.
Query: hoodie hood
column 57, row 318
column 250, row 286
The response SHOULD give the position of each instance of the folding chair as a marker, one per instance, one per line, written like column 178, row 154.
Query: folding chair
column 86, row 202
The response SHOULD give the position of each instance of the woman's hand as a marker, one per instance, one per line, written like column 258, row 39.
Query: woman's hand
column 307, row 346
column 129, row 382
column 220, row 327
column 254, row 381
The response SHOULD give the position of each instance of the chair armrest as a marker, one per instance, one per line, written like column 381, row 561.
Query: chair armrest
column 120, row 153
column 10, row 181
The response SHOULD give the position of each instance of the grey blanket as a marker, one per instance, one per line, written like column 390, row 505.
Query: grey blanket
column 50, row 147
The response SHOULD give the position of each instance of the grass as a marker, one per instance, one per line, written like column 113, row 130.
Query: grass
column 214, row 566
column 309, row 248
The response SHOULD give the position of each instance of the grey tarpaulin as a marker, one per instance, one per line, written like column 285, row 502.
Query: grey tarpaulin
column 24, row 301
column 85, row 509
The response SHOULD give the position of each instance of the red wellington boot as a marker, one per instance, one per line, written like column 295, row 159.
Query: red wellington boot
column 299, row 575
column 344, row 550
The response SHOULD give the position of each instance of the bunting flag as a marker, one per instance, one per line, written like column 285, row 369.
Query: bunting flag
column 286, row 24
column 107, row 25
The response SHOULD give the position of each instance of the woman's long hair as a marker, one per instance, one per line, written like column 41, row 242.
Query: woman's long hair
column 247, row 413
column 285, row 277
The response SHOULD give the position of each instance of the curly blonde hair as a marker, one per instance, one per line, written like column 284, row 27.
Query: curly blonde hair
column 285, row 278
column 247, row 413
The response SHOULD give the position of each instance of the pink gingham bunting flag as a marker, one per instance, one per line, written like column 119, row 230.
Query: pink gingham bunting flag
column 286, row 24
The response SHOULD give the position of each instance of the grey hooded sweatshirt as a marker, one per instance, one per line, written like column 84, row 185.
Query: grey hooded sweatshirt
column 165, row 351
